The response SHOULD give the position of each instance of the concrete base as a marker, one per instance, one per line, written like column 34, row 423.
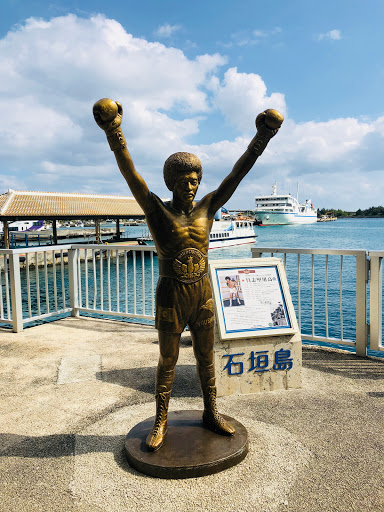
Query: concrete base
column 250, row 365
column 189, row 450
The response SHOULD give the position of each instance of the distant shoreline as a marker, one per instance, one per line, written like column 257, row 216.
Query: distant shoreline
column 362, row 217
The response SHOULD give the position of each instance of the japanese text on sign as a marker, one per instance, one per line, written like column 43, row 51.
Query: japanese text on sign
column 258, row 361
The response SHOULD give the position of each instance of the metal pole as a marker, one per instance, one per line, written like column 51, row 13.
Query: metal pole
column 97, row 228
column 17, row 308
column 72, row 275
column 118, row 229
column 6, row 235
column 54, row 228
column 361, row 303
column 375, row 309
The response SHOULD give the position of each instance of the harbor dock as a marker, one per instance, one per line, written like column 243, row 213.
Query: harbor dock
column 72, row 389
column 45, row 237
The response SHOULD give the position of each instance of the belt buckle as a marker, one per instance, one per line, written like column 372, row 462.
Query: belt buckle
column 189, row 265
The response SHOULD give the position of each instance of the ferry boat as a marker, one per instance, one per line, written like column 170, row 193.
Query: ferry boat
column 24, row 225
column 281, row 209
column 224, row 233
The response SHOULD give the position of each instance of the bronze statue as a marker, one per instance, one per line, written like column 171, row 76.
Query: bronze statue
column 180, row 230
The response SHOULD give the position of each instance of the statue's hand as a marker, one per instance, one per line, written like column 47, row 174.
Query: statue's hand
column 108, row 114
column 269, row 122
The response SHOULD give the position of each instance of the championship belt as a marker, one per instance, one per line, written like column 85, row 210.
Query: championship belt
column 188, row 266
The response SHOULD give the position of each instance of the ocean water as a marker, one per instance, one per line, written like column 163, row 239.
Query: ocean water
column 366, row 234
column 353, row 234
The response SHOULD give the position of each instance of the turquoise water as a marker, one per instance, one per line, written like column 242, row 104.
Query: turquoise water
column 353, row 234
column 366, row 234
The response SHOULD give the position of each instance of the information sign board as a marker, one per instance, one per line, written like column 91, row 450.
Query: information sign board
column 252, row 298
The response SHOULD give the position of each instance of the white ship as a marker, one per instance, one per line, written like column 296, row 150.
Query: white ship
column 280, row 209
column 24, row 225
column 226, row 233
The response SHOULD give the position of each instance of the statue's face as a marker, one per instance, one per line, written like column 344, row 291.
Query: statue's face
column 186, row 186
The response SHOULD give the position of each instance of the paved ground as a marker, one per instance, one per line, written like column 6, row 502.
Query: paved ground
column 71, row 390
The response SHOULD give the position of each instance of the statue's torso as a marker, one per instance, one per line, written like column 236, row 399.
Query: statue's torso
column 174, row 231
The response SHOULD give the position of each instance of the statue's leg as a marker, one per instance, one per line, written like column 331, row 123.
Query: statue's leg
column 203, row 348
column 169, row 351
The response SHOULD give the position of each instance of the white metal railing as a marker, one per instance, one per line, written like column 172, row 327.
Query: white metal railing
column 41, row 282
column 119, row 281
column 41, row 291
column 376, row 301
column 114, row 280
column 300, row 280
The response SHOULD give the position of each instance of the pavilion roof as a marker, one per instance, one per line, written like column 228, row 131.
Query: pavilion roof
column 21, row 204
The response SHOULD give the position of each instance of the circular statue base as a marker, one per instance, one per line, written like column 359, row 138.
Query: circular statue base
column 189, row 449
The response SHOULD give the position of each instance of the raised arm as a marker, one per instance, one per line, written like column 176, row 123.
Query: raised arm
column 108, row 115
column 267, row 124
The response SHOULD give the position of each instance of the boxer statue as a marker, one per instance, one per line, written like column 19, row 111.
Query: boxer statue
column 180, row 230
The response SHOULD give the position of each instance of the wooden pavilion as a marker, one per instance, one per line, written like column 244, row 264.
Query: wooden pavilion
column 16, row 205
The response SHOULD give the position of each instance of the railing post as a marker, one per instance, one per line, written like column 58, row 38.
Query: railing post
column 361, row 303
column 17, row 306
column 73, row 280
column 256, row 253
column 375, row 302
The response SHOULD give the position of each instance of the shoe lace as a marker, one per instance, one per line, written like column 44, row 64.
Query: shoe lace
column 159, row 416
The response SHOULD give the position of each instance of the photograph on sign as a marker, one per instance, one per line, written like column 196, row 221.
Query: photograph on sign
column 252, row 299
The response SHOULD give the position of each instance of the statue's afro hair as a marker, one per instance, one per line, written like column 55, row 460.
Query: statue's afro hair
column 181, row 163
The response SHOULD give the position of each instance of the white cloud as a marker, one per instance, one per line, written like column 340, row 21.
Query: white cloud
column 166, row 31
column 51, row 73
column 241, row 96
column 250, row 37
column 333, row 35
column 262, row 34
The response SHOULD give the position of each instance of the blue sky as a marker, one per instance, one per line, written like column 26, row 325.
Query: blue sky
column 193, row 77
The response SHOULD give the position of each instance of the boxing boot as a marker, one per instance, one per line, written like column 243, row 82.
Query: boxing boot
column 211, row 417
column 155, row 438
column 164, row 381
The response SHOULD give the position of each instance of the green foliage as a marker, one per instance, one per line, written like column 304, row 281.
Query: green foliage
column 373, row 211
column 334, row 213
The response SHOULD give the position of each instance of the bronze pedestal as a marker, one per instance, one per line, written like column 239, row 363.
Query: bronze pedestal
column 189, row 450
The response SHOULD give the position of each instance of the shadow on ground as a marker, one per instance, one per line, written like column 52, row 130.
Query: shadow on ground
column 346, row 365
column 186, row 383
column 63, row 445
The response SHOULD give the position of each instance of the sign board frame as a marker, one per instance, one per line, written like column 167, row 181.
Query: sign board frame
column 266, row 292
